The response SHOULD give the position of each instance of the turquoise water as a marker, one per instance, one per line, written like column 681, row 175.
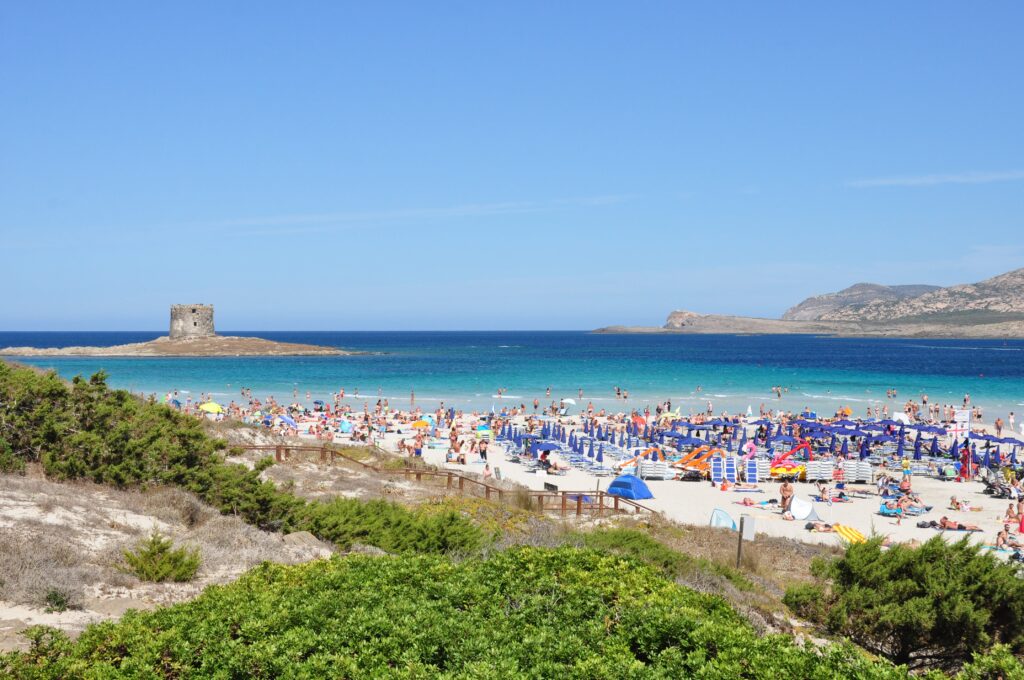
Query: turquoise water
column 464, row 369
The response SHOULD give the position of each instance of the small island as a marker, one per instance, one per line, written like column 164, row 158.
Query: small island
column 191, row 334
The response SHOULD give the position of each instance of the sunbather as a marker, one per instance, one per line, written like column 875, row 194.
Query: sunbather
column 1003, row 541
column 953, row 525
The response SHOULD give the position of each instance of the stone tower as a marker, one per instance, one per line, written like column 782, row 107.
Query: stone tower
column 191, row 321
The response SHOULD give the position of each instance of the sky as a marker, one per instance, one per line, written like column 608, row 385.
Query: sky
column 498, row 165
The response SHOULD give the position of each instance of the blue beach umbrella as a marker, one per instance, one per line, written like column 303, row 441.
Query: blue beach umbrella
column 590, row 450
column 600, row 455
column 934, row 451
column 1013, row 455
column 728, row 446
column 832, row 443
column 863, row 448
column 917, row 448
column 988, row 459
column 899, row 448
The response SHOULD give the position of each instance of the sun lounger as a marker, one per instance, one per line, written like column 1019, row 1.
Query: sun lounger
column 717, row 470
column 750, row 475
column 730, row 469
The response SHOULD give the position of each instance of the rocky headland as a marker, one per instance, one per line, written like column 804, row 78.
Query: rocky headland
column 993, row 308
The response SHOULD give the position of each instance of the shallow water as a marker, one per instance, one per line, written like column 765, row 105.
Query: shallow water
column 464, row 369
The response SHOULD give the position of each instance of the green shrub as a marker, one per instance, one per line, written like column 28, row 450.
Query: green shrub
column 807, row 600
column 57, row 600
column 8, row 461
column 929, row 607
column 643, row 547
column 86, row 430
column 522, row 613
column 157, row 560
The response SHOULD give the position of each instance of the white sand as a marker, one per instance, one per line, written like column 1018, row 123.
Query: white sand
column 693, row 502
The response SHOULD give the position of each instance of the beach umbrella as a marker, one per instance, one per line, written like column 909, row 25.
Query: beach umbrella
column 779, row 431
column 899, row 448
column 287, row 421
column 590, row 450
column 988, row 459
column 211, row 407
column 600, row 455
column 421, row 424
column 935, row 446
column 622, row 439
column 917, row 449
column 728, row 446
column 863, row 448
column 832, row 443
column 1013, row 455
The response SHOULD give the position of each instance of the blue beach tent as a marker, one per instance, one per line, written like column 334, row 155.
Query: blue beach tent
column 631, row 487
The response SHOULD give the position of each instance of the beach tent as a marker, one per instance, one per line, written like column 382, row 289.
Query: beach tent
column 629, row 486
column 211, row 407
column 803, row 510
column 720, row 518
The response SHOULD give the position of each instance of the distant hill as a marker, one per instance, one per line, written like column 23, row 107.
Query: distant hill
column 1000, row 298
column 856, row 296
column 993, row 308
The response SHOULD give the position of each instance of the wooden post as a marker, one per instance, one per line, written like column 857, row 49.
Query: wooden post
column 462, row 482
column 449, row 481
column 540, row 502
column 277, row 453
column 564, row 504
column 616, row 502
column 600, row 504
column 579, row 505
column 487, row 492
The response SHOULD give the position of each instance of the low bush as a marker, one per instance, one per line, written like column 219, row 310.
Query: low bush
column 934, row 606
column 524, row 612
column 86, row 430
column 157, row 560
column 645, row 548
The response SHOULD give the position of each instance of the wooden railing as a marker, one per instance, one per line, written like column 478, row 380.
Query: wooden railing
column 565, row 502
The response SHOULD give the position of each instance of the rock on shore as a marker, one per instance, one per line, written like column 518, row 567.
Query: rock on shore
column 216, row 346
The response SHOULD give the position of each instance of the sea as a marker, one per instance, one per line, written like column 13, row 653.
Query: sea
column 466, row 369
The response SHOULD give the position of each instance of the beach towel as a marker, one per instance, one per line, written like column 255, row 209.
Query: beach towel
column 889, row 512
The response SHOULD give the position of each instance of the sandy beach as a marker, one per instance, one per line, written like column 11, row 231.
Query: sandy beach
column 692, row 502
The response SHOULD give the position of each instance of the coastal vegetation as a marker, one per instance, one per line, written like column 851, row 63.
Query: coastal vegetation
column 524, row 612
column 928, row 607
column 157, row 560
column 87, row 431
column 457, row 596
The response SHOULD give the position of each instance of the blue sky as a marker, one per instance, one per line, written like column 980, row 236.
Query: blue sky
column 468, row 165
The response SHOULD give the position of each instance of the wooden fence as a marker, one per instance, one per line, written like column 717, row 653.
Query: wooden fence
column 563, row 502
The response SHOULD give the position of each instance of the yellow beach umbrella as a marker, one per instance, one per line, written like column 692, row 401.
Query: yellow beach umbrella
column 421, row 424
column 211, row 407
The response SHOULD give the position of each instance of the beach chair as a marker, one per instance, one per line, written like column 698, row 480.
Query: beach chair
column 764, row 468
column 858, row 471
column 750, row 475
column 717, row 470
column 730, row 470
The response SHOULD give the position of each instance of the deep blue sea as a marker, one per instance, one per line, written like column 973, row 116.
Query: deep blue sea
column 465, row 369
